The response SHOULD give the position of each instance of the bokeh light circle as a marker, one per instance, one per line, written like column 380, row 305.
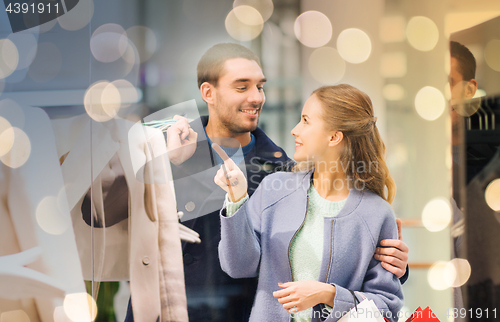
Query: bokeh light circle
column 108, row 42
column 26, row 45
column 80, row 307
column 492, row 54
column 422, row 33
column 102, row 101
column 20, row 150
column 47, row 63
column 248, row 15
column 435, row 276
column 240, row 30
column 7, row 136
column 12, row 112
column 14, row 316
column 127, row 91
column 78, row 17
column 354, row 45
column 457, row 272
column 429, row 103
column 326, row 65
column 51, row 217
column 313, row 29
column 492, row 195
column 9, row 58
column 393, row 92
column 436, row 215
column 144, row 40
column 264, row 7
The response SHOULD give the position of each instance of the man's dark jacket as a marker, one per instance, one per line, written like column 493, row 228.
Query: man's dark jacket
column 222, row 298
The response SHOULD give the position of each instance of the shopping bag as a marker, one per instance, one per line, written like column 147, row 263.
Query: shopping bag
column 365, row 311
column 425, row 315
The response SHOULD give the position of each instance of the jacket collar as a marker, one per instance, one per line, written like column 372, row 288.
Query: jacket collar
column 264, row 149
column 353, row 199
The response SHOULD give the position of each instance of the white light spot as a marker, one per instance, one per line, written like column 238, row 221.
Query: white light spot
column 436, row 215
column 12, row 112
column 127, row 92
column 9, row 58
column 51, row 217
column 6, row 136
column 354, row 45
column 102, row 101
column 422, row 33
column 80, row 307
column 265, row 7
column 492, row 195
column 479, row 93
column 26, row 45
column 435, row 276
column 492, row 54
column 313, row 29
column 429, row 103
column 144, row 40
column 14, row 316
column 326, row 66
column 108, row 42
column 20, row 150
column 78, row 17
column 244, row 23
column 457, row 272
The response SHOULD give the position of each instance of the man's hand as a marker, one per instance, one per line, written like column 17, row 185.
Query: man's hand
column 394, row 254
column 301, row 295
column 229, row 177
column 181, row 141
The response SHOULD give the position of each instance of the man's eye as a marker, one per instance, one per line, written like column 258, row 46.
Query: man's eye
column 260, row 88
column 241, row 88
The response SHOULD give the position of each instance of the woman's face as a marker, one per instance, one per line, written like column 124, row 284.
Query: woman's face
column 311, row 138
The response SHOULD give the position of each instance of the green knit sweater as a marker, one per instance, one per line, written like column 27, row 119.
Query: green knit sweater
column 306, row 251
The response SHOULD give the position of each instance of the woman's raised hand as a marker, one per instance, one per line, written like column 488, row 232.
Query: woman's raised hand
column 230, row 177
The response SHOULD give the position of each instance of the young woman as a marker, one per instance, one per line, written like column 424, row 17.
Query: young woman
column 310, row 235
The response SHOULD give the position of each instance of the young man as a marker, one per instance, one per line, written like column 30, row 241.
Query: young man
column 231, row 81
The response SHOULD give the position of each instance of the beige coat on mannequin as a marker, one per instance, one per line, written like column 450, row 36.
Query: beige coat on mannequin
column 35, row 219
column 145, row 248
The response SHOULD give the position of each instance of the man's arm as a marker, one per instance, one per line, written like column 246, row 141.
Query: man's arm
column 181, row 140
column 394, row 255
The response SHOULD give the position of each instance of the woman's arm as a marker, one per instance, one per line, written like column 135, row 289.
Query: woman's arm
column 239, row 248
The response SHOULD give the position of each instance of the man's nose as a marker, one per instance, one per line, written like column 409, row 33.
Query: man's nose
column 256, row 96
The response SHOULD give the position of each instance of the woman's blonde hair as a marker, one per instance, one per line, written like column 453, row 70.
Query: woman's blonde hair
column 349, row 110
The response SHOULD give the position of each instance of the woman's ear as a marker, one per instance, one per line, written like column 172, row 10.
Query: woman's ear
column 336, row 138
column 207, row 93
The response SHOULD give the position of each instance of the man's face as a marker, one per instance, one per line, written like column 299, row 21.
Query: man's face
column 460, row 88
column 239, row 95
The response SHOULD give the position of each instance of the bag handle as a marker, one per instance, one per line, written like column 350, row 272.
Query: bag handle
column 355, row 300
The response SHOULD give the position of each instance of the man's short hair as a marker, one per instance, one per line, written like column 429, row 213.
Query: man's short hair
column 212, row 62
column 466, row 60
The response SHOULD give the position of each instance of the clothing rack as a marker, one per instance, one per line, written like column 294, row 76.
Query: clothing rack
column 482, row 134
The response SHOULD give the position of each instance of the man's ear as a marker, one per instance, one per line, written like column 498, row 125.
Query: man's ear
column 336, row 138
column 471, row 88
column 207, row 93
